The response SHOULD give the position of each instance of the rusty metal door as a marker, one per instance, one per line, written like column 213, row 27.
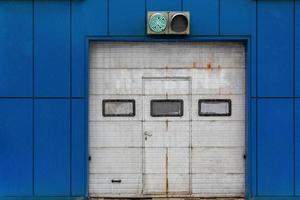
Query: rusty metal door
column 166, row 130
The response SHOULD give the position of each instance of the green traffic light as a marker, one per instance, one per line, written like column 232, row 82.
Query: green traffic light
column 158, row 23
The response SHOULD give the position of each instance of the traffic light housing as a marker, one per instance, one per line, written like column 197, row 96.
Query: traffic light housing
column 168, row 23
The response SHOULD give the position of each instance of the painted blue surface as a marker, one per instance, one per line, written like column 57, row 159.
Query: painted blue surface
column 237, row 17
column 164, row 5
column 205, row 16
column 79, row 158
column 275, row 49
column 251, row 183
column 275, row 147
column 16, row 41
column 44, row 86
column 52, row 147
column 297, row 104
column 52, row 51
column 16, row 147
column 297, row 147
column 297, row 48
column 129, row 21
column 88, row 13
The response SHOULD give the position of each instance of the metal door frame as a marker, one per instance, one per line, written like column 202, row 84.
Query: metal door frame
column 250, row 108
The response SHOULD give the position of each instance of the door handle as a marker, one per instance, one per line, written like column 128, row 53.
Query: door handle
column 146, row 133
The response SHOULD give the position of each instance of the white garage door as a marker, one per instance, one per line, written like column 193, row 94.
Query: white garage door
column 167, row 119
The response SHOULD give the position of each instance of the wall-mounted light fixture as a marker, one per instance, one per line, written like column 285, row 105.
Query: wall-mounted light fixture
column 168, row 22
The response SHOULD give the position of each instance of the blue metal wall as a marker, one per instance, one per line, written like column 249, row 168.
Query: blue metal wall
column 43, row 62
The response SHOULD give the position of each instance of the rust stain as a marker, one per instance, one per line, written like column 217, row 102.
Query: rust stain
column 167, row 125
column 167, row 171
column 194, row 65
column 219, row 66
column 208, row 66
column 166, row 71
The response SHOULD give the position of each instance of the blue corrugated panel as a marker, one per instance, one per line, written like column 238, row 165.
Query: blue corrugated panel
column 16, row 48
column 251, row 155
column 164, row 5
column 89, row 18
column 79, row 140
column 52, row 48
column 237, row 17
column 275, row 173
column 297, row 48
column 16, row 147
column 204, row 16
column 297, row 122
column 297, row 147
column 127, row 17
column 275, row 48
column 52, row 147
column 251, row 66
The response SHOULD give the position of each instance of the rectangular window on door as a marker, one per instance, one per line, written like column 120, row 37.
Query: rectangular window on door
column 167, row 108
column 118, row 108
column 214, row 107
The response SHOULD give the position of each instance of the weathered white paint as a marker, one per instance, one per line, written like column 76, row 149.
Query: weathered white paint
column 131, row 185
column 205, row 81
column 190, row 156
column 115, row 134
column 167, row 55
column 167, row 139
column 167, row 134
column 116, row 160
column 218, row 133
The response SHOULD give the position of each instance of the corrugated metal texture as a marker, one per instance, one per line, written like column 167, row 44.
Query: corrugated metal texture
column 194, row 150
column 215, row 82
column 166, row 55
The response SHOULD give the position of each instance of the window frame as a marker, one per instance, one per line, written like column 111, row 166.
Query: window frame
column 216, row 101
column 166, row 100
column 104, row 101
